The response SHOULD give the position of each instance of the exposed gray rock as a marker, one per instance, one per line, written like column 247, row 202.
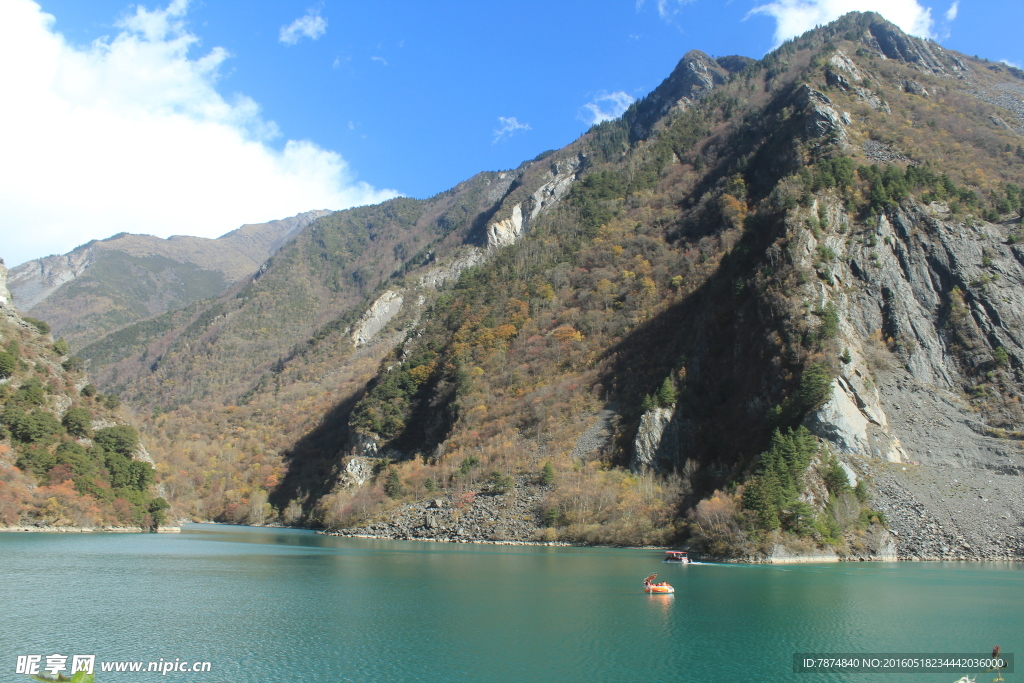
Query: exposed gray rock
column 915, row 88
column 821, row 120
column 889, row 42
column 657, row 440
column 380, row 313
column 476, row 517
column 505, row 231
column 358, row 470
column 596, row 436
column 449, row 271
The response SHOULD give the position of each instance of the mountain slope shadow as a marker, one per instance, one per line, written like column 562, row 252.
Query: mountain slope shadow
column 715, row 344
column 314, row 462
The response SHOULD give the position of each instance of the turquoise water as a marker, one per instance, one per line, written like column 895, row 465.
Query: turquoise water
column 286, row 605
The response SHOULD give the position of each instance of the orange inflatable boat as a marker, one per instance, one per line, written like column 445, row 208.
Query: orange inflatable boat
column 662, row 587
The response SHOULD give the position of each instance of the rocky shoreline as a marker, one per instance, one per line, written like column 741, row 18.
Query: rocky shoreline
column 511, row 518
column 951, row 513
column 933, row 514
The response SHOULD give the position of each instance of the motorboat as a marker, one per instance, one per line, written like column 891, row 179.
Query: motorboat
column 680, row 556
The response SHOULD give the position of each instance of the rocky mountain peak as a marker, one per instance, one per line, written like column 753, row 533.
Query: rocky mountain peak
column 890, row 42
column 694, row 77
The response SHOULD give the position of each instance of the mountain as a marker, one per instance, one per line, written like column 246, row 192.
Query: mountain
column 104, row 285
column 68, row 457
column 770, row 310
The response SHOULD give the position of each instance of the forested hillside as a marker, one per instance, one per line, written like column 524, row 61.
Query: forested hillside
column 67, row 457
column 768, row 310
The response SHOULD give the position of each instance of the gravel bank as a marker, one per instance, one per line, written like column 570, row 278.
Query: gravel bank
column 947, row 513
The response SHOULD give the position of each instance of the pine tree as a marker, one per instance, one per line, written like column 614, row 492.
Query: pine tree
column 667, row 393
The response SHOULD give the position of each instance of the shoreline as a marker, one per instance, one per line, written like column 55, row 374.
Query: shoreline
column 91, row 530
column 778, row 559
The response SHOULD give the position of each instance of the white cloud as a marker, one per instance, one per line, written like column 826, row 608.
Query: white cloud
column 606, row 107
column 311, row 25
column 130, row 134
column 794, row 17
column 509, row 126
column 952, row 11
column 1015, row 65
column 379, row 59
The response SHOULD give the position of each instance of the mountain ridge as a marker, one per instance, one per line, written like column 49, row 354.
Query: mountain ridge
column 719, row 320
column 167, row 273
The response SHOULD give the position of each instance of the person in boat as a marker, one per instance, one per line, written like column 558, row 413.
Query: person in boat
column 649, row 581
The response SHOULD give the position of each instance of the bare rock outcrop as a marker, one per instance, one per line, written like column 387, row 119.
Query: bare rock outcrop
column 380, row 313
column 657, row 440
column 558, row 180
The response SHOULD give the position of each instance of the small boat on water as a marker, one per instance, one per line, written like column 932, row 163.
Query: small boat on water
column 662, row 587
column 677, row 556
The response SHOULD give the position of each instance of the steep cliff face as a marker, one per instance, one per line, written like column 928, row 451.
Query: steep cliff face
column 927, row 302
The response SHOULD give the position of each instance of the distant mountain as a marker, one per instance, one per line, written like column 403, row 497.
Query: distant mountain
column 774, row 308
column 104, row 285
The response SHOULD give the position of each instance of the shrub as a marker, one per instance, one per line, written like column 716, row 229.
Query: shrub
column 7, row 365
column 500, row 483
column 61, row 347
column 38, row 324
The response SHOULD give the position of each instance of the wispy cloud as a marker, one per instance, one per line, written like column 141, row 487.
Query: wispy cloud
column 952, row 11
column 794, row 17
column 666, row 8
column 1013, row 64
column 510, row 125
column 379, row 59
column 310, row 25
column 130, row 134
column 606, row 107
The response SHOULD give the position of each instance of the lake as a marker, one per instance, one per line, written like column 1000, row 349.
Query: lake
column 288, row 605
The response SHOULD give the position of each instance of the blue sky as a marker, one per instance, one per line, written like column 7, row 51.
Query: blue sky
column 194, row 117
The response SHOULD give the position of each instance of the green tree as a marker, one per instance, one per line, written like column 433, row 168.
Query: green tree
column 78, row 421
column 829, row 327
column 667, row 393
column 393, row 484
column 34, row 427
column 815, row 387
column 547, row 475
column 122, row 439
column 38, row 324
column 61, row 347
